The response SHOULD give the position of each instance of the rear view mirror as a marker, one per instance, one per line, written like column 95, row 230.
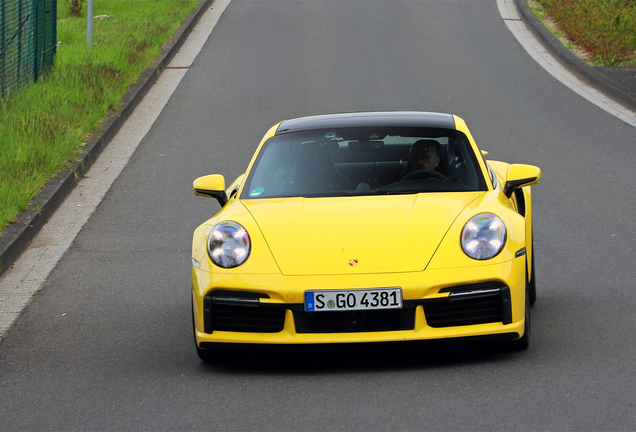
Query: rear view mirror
column 211, row 186
column 520, row 175
column 366, row 145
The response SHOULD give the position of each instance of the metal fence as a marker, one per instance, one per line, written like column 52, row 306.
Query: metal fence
column 28, row 33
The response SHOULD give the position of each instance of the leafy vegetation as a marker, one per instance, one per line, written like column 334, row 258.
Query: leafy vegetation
column 604, row 29
column 75, row 6
column 44, row 126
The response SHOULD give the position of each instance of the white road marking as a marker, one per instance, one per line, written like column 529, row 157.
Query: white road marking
column 510, row 15
column 30, row 271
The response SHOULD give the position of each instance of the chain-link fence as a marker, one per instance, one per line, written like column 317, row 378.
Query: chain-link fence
column 27, row 41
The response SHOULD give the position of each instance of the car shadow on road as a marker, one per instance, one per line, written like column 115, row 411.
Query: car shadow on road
column 354, row 357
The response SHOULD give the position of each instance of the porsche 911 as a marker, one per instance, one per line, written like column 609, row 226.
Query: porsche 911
column 366, row 227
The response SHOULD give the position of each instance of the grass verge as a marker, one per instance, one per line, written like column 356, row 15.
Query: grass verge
column 605, row 30
column 44, row 126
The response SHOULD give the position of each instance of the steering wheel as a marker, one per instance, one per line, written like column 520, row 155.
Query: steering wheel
column 423, row 174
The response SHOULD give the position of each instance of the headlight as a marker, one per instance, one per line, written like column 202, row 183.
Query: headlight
column 228, row 244
column 483, row 236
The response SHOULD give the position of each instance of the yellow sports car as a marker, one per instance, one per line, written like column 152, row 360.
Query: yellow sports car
column 365, row 227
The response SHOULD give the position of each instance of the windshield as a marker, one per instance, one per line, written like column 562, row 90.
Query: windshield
column 364, row 161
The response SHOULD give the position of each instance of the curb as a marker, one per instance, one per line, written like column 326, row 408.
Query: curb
column 16, row 237
column 594, row 76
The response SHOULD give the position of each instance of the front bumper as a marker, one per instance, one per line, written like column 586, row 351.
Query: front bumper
column 450, row 303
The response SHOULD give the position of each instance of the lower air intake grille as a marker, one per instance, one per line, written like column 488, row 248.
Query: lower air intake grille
column 466, row 310
column 354, row 321
column 241, row 312
column 247, row 319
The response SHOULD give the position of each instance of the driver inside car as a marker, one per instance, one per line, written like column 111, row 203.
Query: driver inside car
column 424, row 155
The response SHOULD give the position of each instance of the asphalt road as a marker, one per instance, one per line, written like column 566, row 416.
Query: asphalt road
column 107, row 345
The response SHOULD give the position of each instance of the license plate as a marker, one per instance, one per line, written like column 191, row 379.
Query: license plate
column 359, row 299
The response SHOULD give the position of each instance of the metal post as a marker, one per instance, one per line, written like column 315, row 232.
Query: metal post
column 89, row 19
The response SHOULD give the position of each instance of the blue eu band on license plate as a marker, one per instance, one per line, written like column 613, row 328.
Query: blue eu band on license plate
column 359, row 299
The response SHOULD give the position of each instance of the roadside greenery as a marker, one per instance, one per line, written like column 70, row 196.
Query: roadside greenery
column 604, row 29
column 75, row 6
column 44, row 126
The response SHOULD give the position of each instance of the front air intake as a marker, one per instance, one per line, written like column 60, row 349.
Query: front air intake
column 465, row 306
column 237, row 311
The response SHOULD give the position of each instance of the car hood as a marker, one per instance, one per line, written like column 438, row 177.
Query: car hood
column 372, row 234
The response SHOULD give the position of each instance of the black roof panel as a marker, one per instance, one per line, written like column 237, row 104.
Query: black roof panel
column 392, row 118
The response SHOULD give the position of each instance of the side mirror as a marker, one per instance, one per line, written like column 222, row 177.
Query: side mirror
column 519, row 175
column 211, row 186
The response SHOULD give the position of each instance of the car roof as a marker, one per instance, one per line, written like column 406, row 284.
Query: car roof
column 362, row 119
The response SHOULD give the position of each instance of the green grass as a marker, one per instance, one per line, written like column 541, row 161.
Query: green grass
column 43, row 126
column 604, row 29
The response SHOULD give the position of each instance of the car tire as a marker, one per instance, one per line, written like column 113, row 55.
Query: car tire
column 523, row 342
column 206, row 355
column 532, row 285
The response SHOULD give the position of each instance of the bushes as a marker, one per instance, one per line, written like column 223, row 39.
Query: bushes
column 604, row 28
column 75, row 6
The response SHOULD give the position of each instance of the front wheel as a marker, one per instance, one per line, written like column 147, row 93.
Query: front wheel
column 532, row 285
column 523, row 342
column 206, row 355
